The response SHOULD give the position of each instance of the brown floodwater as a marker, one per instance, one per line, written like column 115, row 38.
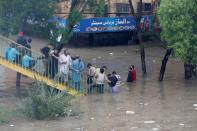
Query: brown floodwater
column 144, row 105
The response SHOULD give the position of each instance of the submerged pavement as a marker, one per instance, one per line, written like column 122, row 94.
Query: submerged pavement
column 145, row 105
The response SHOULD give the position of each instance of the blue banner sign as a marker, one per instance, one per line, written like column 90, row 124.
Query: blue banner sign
column 97, row 25
column 108, row 24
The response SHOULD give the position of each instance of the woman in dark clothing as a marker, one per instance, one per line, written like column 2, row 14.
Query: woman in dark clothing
column 46, row 59
column 129, row 77
column 28, row 45
column 53, row 64
column 59, row 47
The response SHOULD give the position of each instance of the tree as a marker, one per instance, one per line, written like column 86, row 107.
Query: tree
column 15, row 14
column 73, row 19
column 164, row 63
column 100, row 8
column 139, row 34
column 178, row 20
column 75, row 15
column 97, row 6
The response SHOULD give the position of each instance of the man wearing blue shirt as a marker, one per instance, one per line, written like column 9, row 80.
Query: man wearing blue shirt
column 27, row 61
column 77, row 68
column 12, row 54
column 6, row 52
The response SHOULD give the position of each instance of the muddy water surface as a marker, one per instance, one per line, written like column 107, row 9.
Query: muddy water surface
column 144, row 105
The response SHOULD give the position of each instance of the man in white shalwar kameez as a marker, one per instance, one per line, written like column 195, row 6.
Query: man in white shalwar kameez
column 64, row 66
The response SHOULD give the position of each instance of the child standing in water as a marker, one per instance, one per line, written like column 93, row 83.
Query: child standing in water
column 133, row 72
column 114, row 83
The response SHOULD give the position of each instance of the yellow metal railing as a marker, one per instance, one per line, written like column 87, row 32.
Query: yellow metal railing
column 12, row 56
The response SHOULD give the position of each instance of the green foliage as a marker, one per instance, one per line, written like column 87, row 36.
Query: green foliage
column 15, row 14
column 66, row 35
column 45, row 103
column 5, row 114
column 75, row 17
column 178, row 20
column 37, row 31
column 98, row 7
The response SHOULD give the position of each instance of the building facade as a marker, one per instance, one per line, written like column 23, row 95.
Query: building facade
column 113, row 7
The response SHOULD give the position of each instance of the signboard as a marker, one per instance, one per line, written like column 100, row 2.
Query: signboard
column 146, row 23
column 97, row 25
column 108, row 24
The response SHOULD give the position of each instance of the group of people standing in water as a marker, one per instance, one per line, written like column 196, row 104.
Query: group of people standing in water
column 131, row 74
column 96, row 79
column 66, row 68
column 58, row 64
column 61, row 65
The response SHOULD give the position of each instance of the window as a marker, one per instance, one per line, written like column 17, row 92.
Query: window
column 122, row 8
column 145, row 7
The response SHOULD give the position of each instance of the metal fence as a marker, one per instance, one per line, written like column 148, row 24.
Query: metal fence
column 46, row 68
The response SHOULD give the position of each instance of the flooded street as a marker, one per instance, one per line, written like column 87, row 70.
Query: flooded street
column 145, row 105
